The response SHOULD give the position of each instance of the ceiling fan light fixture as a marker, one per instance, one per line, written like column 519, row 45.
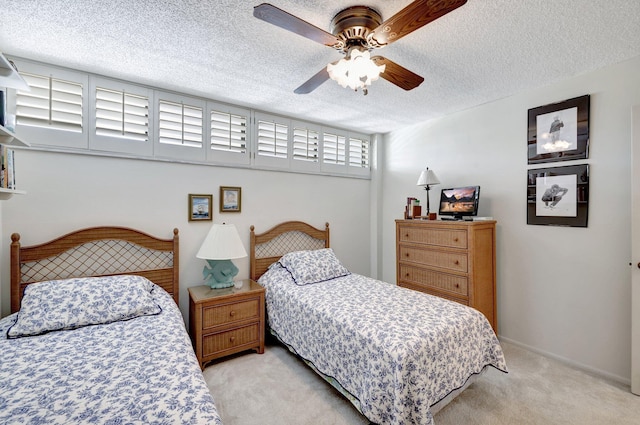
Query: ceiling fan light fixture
column 356, row 70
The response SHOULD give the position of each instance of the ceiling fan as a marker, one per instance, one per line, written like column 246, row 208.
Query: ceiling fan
column 355, row 32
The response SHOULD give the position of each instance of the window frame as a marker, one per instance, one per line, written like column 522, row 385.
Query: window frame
column 228, row 157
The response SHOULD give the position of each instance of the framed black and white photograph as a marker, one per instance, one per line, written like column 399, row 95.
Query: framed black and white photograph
column 558, row 196
column 200, row 207
column 559, row 131
column 230, row 199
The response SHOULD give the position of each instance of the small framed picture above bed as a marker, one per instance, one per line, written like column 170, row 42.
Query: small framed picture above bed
column 230, row 199
column 200, row 207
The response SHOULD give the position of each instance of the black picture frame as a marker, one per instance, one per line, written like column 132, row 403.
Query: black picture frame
column 559, row 131
column 558, row 196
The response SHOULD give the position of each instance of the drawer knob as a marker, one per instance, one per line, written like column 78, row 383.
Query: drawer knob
column 455, row 239
column 232, row 339
column 232, row 313
column 457, row 285
column 456, row 262
column 407, row 275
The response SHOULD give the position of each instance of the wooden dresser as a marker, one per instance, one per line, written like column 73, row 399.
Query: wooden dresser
column 226, row 321
column 451, row 259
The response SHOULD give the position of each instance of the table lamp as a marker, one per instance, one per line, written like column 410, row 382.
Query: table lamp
column 427, row 179
column 221, row 245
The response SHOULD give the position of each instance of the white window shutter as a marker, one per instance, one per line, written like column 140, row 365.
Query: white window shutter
column 121, row 117
column 359, row 154
column 228, row 134
column 272, row 141
column 334, row 150
column 180, row 130
column 305, row 146
column 54, row 111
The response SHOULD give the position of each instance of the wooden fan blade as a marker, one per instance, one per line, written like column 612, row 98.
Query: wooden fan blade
column 398, row 75
column 314, row 82
column 287, row 21
column 414, row 16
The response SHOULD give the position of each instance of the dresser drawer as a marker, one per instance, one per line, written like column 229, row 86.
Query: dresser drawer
column 433, row 236
column 214, row 343
column 424, row 279
column 456, row 261
column 463, row 301
column 221, row 314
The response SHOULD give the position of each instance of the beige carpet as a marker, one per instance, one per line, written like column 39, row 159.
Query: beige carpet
column 276, row 388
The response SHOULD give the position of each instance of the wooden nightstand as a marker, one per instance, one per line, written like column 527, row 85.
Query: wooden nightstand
column 226, row 321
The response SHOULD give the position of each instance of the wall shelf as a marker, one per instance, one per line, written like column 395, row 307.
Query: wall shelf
column 9, row 138
column 8, row 193
column 9, row 76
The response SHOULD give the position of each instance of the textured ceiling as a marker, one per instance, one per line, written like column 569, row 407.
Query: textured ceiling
column 483, row 51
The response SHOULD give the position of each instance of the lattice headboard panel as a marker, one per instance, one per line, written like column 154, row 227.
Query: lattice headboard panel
column 97, row 251
column 268, row 247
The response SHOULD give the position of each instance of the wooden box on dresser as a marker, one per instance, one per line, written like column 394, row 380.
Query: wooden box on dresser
column 226, row 321
column 451, row 259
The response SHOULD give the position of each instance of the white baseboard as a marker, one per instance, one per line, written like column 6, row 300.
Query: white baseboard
column 576, row 365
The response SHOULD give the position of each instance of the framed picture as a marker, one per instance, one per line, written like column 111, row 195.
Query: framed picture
column 200, row 207
column 230, row 199
column 558, row 196
column 559, row 131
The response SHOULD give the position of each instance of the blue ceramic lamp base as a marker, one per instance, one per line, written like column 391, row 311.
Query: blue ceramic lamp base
column 219, row 274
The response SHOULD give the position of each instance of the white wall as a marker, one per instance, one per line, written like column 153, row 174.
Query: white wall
column 67, row 192
column 562, row 291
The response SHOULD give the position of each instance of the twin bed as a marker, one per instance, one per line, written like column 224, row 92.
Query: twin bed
column 106, row 349
column 398, row 355
column 113, row 348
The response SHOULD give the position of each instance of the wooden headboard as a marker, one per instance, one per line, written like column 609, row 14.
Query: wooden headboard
column 95, row 251
column 267, row 248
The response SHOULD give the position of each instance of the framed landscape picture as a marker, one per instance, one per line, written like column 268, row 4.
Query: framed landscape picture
column 559, row 131
column 558, row 196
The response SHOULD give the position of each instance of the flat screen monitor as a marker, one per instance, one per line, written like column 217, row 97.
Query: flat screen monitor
column 458, row 202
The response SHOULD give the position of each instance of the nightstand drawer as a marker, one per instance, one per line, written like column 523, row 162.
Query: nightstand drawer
column 456, row 261
column 426, row 279
column 228, row 313
column 222, row 341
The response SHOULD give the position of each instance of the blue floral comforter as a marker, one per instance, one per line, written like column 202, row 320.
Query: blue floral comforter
column 136, row 371
column 395, row 350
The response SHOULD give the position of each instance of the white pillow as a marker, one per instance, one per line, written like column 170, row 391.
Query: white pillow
column 72, row 303
column 313, row 266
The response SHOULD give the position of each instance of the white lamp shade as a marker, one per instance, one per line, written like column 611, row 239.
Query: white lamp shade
column 427, row 178
column 222, row 243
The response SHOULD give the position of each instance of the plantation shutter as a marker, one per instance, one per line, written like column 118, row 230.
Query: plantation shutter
column 334, row 149
column 358, row 153
column 180, row 127
column 228, row 132
column 272, row 141
column 120, row 114
column 52, row 103
column 305, row 145
column 55, row 111
column 180, row 124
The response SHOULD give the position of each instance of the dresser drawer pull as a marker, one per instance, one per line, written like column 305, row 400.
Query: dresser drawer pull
column 232, row 313
column 456, row 262
column 232, row 339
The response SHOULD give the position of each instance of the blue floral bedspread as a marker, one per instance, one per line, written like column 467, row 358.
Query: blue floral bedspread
column 137, row 371
column 397, row 351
